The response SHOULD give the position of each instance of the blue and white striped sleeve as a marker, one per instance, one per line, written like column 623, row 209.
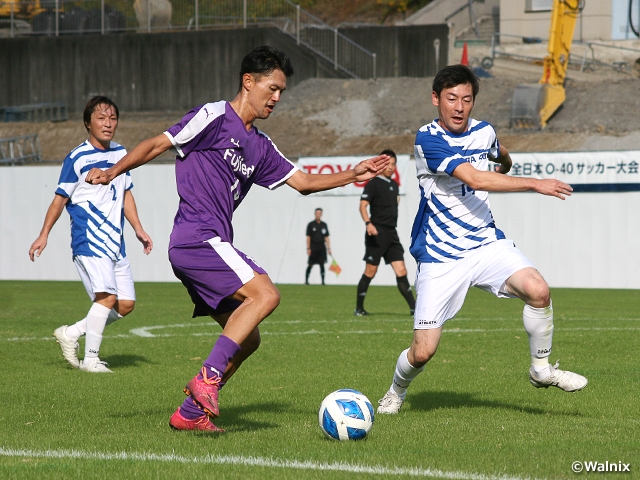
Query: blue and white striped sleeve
column 438, row 156
column 68, row 178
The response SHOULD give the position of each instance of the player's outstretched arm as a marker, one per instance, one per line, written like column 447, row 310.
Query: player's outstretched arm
column 307, row 183
column 496, row 182
column 144, row 152
column 131, row 214
column 52, row 216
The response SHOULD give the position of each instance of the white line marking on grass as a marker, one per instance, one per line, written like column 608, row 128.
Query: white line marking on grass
column 253, row 462
column 143, row 332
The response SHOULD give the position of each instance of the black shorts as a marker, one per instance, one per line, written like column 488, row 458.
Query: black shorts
column 384, row 245
column 318, row 254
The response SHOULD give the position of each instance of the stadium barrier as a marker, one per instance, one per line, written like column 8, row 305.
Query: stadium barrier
column 587, row 241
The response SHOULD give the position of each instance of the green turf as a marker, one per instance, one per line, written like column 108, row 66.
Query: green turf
column 471, row 412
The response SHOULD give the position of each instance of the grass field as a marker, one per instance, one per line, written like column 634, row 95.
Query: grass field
column 472, row 413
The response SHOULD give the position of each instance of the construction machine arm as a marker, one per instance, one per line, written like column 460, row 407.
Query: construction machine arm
column 534, row 104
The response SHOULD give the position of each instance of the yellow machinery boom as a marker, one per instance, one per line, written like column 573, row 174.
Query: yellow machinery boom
column 534, row 104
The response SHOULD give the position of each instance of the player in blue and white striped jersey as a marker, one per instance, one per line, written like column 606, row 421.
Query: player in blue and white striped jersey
column 97, row 240
column 456, row 242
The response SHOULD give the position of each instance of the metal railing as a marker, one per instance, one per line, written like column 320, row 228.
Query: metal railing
column 20, row 150
column 619, row 58
column 63, row 17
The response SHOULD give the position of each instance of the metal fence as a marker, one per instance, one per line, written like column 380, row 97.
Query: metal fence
column 593, row 55
column 20, row 150
column 65, row 17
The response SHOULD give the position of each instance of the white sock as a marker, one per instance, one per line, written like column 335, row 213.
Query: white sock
column 538, row 323
column 96, row 321
column 78, row 329
column 404, row 375
column 113, row 316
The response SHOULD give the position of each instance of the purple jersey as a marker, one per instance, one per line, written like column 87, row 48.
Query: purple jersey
column 218, row 161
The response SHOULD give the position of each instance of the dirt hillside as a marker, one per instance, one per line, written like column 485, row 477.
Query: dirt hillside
column 353, row 117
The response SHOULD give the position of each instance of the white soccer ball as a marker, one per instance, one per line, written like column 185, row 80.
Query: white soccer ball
column 346, row 415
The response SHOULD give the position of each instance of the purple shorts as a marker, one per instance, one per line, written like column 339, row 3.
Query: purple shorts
column 212, row 271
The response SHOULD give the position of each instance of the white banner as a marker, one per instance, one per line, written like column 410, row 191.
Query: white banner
column 340, row 164
column 584, row 171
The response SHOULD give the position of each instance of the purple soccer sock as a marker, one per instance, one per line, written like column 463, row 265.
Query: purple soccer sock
column 223, row 351
column 190, row 410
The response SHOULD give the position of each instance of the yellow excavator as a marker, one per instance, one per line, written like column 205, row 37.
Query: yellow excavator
column 533, row 104
column 20, row 9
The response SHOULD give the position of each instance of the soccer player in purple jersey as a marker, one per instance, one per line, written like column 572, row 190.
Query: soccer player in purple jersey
column 221, row 154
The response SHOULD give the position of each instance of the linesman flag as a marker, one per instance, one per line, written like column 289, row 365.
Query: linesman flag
column 334, row 267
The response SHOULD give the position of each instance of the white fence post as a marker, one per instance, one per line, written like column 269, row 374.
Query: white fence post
column 335, row 48
column 11, row 19
column 298, row 24
column 244, row 13
column 373, row 59
column 197, row 15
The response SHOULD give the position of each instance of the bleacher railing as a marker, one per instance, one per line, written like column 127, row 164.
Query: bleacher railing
column 20, row 150
column 65, row 17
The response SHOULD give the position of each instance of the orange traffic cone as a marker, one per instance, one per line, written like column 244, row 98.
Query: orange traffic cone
column 465, row 55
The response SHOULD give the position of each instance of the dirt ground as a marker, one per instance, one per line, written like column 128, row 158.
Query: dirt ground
column 361, row 117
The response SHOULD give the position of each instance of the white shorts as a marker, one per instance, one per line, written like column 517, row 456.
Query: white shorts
column 104, row 275
column 442, row 287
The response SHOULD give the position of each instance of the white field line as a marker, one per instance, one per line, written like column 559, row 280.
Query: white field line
column 145, row 332
column 252, row 462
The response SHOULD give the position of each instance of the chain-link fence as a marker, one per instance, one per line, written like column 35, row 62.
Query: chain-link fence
column 68, row 17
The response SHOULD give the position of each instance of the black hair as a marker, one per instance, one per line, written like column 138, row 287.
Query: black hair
column 388, row 151
column 263, row 61
column 91, row 106
column 317, row 209
column 455, row 75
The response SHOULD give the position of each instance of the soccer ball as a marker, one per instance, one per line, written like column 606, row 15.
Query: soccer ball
column 346, row 415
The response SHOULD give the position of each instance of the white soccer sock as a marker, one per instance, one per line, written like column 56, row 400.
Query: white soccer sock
column 404, row 375
column 96, row 321
column 538, row 323
column 78, row 329
column 113, row 316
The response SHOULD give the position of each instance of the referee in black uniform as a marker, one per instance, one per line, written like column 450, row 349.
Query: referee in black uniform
column 382, row 196
column 317, row 245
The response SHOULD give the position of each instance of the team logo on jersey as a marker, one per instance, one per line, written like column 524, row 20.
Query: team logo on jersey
column 237, row 162
column 235, row 142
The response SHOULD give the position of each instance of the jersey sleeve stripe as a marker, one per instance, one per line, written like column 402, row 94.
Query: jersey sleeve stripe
column 100, row 164
column 207, row 114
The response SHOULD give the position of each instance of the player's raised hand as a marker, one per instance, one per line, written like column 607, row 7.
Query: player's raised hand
column 367, row 169
column 37, row 247
column 554, row 188
column 97, row 176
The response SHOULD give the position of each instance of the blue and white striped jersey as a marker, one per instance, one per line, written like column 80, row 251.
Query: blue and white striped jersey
column 96, row 211
column 452, row 218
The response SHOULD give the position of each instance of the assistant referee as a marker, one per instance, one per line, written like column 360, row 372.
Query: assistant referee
column 382, row 196
column 318, row 244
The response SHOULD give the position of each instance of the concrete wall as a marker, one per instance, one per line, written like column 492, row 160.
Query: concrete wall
column 140, row 72
column 441, row 11
column 405, row 51
column 176, row 71
column 587, row 241
column 594, row 23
